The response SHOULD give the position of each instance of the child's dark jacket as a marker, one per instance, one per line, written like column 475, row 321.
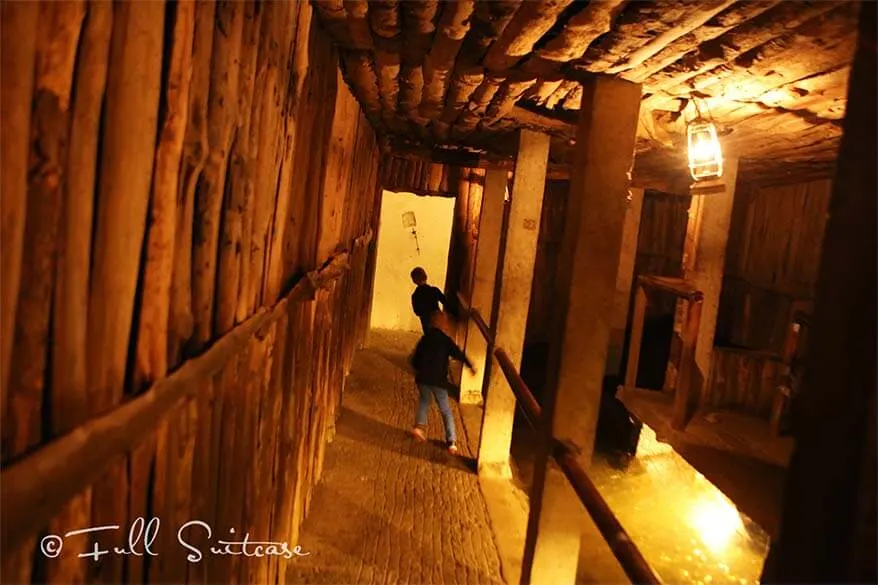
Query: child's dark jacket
column 430, row 359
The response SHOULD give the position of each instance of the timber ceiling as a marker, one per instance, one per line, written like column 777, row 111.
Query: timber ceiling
column 464, row 76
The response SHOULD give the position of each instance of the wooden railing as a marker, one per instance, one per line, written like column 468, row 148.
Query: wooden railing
column 36, row 487
column 626, row 552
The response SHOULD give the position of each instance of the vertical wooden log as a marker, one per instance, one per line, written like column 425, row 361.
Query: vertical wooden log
column 282, row 384
column 371, row 260
column 221, row 119
column 69, row 392
column 152, row 338
column 229, row 429
column 294, row 142
column 686, row 396
column 624, row 278
column 337, row 174
column 204, row 488
column 131, row 114
column 57, row 39
column 242, row 457
column 258, row 490
column 56, row 42
column 195, row 149
column 708, row 266
column 18, row 32
column 324, row 86
column 272, row 143
column 240, row 177
column 302, row 329
column 130, row 123
column 636, row 339
column 151, row 361
column 244, row 306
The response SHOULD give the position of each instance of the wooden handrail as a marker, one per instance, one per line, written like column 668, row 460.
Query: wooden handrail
column 532, row 409
column 623, row 548
column 36, row 487
column 626, row 552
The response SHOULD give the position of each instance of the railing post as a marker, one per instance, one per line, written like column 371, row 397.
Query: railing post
column 583, row 301
column 487, row 257
column 515, row 287
column 637, row 322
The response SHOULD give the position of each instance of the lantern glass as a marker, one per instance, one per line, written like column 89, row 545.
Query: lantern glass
column 705, row 154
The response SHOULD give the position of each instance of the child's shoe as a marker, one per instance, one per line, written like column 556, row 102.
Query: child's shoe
column 419, row 435
column 452, row 448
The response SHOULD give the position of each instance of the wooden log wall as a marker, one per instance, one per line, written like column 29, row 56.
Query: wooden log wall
column 659, row 249
column 407, row 174
column 772, row 261
column 189, row 198
column 743, row 381
column 548, row 250
column 660, row 243
column 460, row 271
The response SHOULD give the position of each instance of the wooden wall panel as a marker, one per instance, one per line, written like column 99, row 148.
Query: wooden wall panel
column 743, row 381
column 264, row 169
column 464, row 234
column 772, row 261
column 407, row 174
column 548, row 249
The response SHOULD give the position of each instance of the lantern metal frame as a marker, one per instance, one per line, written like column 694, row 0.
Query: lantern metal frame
column 709, row 168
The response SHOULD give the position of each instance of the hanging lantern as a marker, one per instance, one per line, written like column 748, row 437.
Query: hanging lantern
column 705, row 154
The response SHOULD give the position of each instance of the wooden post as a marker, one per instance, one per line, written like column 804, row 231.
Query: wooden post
column 18, row 36
column 686, row 395
column 487, row 257
column 222, row 117
column 640, row 301
column 69, row 348
column 703, row 265
column 584, row 296
column 624, row 280
column 515, row 288
column 827, row 534
column 130, row 120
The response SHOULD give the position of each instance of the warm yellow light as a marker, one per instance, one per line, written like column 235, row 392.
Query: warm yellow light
column 717, row 522
column 705, row 154
column 649, row 445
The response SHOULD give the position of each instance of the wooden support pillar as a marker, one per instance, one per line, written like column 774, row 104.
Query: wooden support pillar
column 515, row 287
column 827, row 534
column 584, row 297
column 704, row 256
column 624, row 280
column 708, row 264
column 487, row 257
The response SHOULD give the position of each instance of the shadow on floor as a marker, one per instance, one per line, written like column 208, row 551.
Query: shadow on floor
column 394, row 357
column 365, row 429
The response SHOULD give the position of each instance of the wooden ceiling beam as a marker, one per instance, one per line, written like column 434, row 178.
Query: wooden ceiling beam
column 751, row 34
column 726, row 20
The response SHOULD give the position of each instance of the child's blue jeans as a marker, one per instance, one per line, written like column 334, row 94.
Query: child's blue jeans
column 441, row 396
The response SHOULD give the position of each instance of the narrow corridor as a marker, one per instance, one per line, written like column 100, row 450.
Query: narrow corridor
column 387, row 509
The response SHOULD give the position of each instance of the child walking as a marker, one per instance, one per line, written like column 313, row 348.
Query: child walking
column 430, row 361
column 426, row 298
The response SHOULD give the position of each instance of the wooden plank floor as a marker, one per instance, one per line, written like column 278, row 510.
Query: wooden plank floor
column 728, row 431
